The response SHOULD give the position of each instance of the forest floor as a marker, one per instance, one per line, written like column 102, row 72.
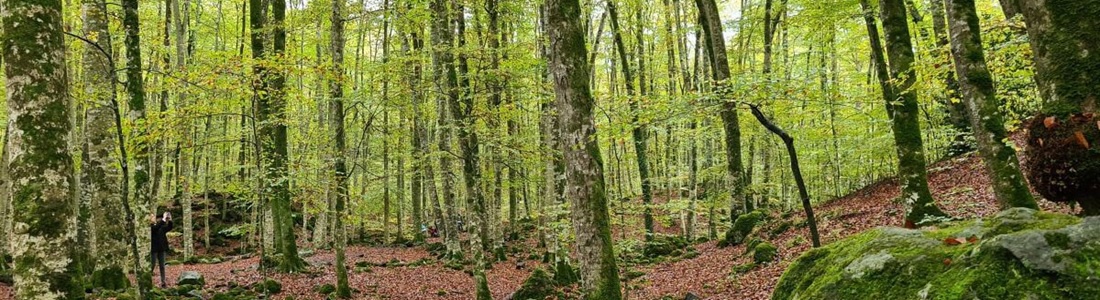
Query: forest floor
column 959, row 185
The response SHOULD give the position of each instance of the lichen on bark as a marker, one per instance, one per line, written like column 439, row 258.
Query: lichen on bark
column 980, row 97
column 40, row 166
column 100, row 173
column 901, row 105
column 584, row 187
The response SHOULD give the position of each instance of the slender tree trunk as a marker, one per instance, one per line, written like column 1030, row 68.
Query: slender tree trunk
column 638, row 133
column 956, row 110
column 400, row 194
column 143, row 190
column 770, row 25
column 720, row 71
column 980, row 97
column 385, row 125
column 182, row 15
column 462, row 111
column 419, row 137
column 386, row 176
column 271, row 108
column 336, row 92
column 901, row 106
column 5, row 200
column 584, row 171
column 40, row 167
column 796, row 170
column 446, row 86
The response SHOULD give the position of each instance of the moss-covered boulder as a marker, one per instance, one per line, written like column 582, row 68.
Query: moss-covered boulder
column 742, row 227
column 665, row 245
column 191, row 278
column 1017, row 254
column 324, row 289
column 269, row 286
column 764, row 252
column 112, row 279
column 564, row 274
column 537, row 286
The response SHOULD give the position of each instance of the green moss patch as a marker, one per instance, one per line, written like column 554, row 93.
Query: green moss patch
column 742, row 227
column 764, row 253
column 1018, row 254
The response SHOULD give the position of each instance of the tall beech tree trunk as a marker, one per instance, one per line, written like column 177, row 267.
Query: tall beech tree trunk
column 980, row 97
column 271, row 115
column 956, row 110
column 182, row 18
column 584, row 169
column 1063, row 139
column 446, row 83
column 385, row 124
column 386, row 176
column 40, row 166
column 638, row 133
column 901, row 106
column 143, row 190
column 100, row 177
column 720, row 73
column 336, row 92
column 461, row 106
column 419, row 134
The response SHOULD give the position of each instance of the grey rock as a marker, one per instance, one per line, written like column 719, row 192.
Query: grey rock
column 1031, row 248
column 867, row 264
column 191, row 278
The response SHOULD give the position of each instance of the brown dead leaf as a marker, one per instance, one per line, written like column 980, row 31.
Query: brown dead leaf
column 972, row 239
column 1050, row 122
column 1081, row 139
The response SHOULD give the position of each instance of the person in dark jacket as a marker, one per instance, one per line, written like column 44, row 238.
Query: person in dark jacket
column 159, row 248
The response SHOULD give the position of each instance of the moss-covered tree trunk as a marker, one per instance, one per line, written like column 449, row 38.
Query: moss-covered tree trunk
column 182, row 18
column 271, row 115
column 385, row 120
column 100, row 176
column 462, row 110
column 336, row 92
column 1063, row 140
column 386, row 176
column 5, row 199
column 901, row 106
column 720, row 72
column 980, row 97
column 400, row 194
column 638, row 133
column 143, row 190
column 583, row 168
column 447, row 179
column 40, row 167
column 419, row 132
column 493, row 37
